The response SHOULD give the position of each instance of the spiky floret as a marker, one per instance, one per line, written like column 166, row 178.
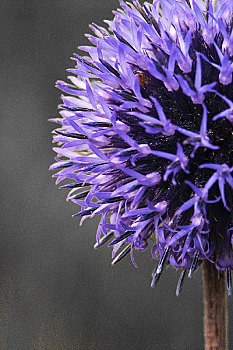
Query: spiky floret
column 146, row 132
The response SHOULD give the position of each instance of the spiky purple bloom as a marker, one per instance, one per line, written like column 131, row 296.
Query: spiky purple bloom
column 146, row 133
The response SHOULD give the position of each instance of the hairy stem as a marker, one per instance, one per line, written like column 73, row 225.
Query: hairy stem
column 215, row 308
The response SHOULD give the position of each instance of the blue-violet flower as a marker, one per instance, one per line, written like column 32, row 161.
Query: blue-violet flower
column 146, row 133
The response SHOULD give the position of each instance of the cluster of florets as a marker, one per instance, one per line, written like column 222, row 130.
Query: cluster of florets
column 147, row 134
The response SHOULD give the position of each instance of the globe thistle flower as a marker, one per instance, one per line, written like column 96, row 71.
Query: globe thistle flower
column 146, row 133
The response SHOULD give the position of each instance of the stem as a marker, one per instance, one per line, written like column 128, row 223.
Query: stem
column 215, row 306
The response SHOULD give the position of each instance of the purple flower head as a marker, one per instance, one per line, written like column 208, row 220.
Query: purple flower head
column 146, row 134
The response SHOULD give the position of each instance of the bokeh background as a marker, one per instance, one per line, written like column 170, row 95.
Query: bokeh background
column 56, row 291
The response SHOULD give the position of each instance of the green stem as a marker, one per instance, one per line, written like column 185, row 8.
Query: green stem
column 215, row 308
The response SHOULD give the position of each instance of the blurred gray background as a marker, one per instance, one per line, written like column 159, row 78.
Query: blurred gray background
column 56, row 291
